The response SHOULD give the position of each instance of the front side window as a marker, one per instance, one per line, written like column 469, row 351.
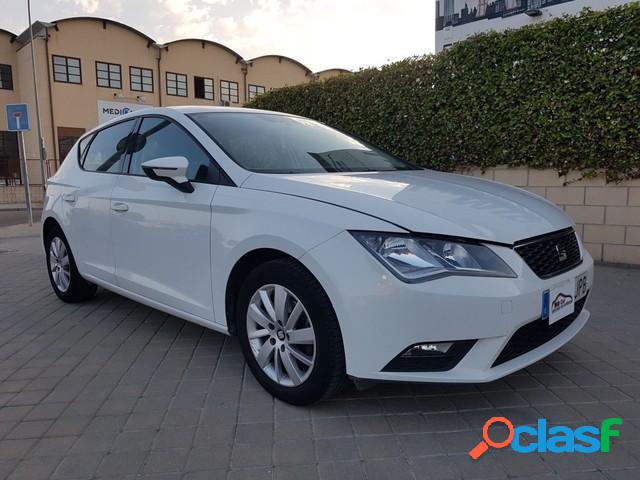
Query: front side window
column 255, row 90
column 272, row 143
column 66, row 69
column 229, row 91
column 203, row 87
column 6, row 79
column 160, row 137
column 106, row 151
column 108, row 75
column 141, row 79
column 176, row 84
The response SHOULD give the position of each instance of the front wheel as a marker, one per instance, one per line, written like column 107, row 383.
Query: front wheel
column 65, row 279
column 289, row 333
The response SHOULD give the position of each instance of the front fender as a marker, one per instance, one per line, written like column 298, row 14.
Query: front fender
column 246, row 220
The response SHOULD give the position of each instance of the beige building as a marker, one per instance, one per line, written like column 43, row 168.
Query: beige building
column 331, row 72
column 91, row 69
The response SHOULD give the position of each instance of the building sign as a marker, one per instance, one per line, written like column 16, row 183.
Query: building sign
column 109, row 110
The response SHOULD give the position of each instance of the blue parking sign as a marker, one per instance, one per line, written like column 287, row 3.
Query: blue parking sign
column 17, row 117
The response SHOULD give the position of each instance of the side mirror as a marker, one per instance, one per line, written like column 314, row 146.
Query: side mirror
column 172, row 170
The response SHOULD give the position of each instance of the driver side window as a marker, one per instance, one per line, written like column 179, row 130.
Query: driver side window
column 160, row 137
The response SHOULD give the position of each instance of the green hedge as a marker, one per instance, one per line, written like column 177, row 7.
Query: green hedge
column 563, row 94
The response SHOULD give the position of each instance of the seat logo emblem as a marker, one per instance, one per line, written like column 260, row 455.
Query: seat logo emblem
column 562, row 253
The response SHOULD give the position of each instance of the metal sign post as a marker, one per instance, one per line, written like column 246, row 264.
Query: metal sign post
column 25, row 176
column 41, row 151
column 18, row 121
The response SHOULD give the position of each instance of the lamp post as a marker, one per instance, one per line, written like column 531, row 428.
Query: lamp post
column 37, row 100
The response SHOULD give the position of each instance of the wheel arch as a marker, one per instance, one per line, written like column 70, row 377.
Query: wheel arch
column 241, row 269
column 48, row 225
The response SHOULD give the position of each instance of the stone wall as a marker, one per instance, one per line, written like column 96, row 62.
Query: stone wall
column 607, row 215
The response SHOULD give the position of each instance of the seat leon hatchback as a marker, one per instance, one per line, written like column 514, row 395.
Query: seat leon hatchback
column 327, row 257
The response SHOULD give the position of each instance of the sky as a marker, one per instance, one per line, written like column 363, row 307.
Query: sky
column 319, row 33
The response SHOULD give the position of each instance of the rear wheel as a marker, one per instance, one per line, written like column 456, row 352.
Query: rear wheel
column 65, row 279
column 289, row 333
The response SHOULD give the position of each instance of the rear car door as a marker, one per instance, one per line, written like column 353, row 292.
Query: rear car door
column 87, row 206
column 161, row 236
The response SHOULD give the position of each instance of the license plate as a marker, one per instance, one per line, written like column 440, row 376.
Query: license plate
column 559, row 301
column 582, row 286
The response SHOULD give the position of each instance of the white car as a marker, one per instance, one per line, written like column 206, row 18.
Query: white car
column 326, row 256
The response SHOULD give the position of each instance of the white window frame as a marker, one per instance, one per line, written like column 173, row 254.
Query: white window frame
column 229, row 94
column 177, row 84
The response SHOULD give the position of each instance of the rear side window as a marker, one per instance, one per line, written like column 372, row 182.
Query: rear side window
column 82, row 146
column 160, row 137
column 106, row 151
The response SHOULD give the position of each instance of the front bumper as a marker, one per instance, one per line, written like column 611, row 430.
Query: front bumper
column 380, row 316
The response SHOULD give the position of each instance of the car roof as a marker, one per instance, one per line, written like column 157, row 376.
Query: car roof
column 187, row 109
column 198, row 109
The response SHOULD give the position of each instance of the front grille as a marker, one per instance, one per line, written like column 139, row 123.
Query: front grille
column 551, row 254
column 537, row 333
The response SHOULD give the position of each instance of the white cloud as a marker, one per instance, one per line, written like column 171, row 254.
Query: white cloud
column 187, row 18
column 89, row 6
column 67, row 8
column 49, row 10
column 326, row 33
column 319, row 33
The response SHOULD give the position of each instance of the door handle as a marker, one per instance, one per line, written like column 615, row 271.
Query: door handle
column 69, row 197
column 119, row 207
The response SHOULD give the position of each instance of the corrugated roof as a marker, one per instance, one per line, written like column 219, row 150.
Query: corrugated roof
column 210, row 42
column 307, row 69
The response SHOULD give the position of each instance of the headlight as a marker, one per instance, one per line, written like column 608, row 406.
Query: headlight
column 418, row 259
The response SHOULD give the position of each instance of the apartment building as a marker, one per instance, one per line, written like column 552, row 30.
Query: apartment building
column 457, row 20
column 90, row 70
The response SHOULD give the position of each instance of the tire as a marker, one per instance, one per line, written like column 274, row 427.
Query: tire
column 60, row 263
column 284, row 374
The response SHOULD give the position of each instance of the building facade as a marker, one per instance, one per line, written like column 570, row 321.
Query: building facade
column 90, row 70
column 457, row 20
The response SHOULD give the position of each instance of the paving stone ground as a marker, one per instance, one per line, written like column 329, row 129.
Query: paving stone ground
column 114, row 389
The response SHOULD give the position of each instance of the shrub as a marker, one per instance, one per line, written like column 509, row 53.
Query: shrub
column 564, row 94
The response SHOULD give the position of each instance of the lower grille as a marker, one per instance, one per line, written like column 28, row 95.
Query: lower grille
column 551, row 254
column 537, row 333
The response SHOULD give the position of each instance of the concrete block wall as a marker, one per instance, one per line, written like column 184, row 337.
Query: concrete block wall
column 14, row 195
column 607, row 216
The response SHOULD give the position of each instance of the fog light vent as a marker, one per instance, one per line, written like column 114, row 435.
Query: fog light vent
column 430, row 357
column 425, row 349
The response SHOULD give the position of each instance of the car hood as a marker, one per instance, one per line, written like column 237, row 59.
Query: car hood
column 426, row 201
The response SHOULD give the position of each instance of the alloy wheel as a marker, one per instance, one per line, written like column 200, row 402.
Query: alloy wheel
column 59, row 264
column 281, row 335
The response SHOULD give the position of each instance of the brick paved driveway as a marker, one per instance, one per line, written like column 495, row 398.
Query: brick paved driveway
column 113, row 389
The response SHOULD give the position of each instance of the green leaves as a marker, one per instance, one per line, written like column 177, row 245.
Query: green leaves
column 563, row 94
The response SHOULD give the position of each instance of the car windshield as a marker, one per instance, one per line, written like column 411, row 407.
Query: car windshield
column 272, row 143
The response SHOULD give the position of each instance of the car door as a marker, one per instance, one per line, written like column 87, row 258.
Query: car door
column 86, row 205
column 161, row 236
